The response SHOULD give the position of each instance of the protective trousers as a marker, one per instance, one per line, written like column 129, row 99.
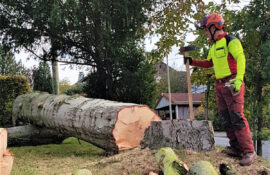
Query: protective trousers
column 232, row 117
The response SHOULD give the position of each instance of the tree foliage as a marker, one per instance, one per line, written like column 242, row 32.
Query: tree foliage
column 173, row 20
column 64, row 85
column 105, row 35
column 9, row 66
column 11, row 87
column 42, row 78
column 178, row 82
column 131, row 78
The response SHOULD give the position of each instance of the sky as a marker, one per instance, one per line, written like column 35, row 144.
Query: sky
column 71, row 75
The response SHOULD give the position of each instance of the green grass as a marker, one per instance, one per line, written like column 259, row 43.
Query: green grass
column 53, row 158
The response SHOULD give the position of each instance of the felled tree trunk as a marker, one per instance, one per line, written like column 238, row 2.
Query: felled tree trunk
column 31, row 135
column 180, row 134
column 6, row 157
column 110, row 125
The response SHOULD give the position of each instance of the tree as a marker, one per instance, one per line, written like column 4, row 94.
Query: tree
column 42, row 78
column 131, row 78
column 9, row 66
column 114, row 35
column 92, row 33
column 253, row 21
column 35, row 27
column 178, row 82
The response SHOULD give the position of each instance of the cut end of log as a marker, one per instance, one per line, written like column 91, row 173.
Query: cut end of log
column 131, row 124
column 3, row 142
column 6, row 157
column 6, row 164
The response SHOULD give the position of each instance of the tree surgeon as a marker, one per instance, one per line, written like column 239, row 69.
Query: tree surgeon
column 227, row 58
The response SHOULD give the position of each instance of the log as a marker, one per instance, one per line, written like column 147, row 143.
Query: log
column 110, row 125
column 227, row 168
column 31, row 135
column 169, row 162
column 6, row 157
column 202, row 168
column 6, row 164
column 3, row 142
column 180, row 134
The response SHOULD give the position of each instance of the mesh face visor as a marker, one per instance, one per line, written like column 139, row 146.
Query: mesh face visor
column 202, row 24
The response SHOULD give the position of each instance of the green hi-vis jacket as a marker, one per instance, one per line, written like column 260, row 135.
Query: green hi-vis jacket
column 227, row 57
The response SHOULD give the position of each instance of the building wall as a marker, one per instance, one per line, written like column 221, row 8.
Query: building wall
column 183, row 112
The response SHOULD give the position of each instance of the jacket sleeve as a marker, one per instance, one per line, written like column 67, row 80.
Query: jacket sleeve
column 236, row 49
column 202, row 63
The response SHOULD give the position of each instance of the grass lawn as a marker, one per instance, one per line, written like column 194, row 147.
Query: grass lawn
column 64, row 158
column 53, row 158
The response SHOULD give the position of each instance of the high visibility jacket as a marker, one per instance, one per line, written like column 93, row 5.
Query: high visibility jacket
column 227, row 58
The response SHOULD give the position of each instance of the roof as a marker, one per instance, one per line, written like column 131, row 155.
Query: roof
column 180, row 98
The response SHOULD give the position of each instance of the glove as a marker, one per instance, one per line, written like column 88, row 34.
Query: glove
column 189, row 59
column 237, row 84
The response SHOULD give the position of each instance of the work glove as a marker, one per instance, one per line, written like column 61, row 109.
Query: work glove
column 237, row 84
column 189, row 59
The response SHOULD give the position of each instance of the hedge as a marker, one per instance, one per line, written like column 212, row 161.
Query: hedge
column 10, row 88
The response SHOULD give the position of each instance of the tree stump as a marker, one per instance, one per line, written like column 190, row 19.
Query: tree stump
column 110, row 125
column 180, row 134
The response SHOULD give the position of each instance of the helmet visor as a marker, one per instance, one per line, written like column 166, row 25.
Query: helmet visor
column 203, row 23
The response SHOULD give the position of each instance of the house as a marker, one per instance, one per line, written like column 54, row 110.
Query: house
column 180, row 105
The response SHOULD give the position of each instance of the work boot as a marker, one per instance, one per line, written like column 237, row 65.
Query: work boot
column 230, row 151
column 248, row 159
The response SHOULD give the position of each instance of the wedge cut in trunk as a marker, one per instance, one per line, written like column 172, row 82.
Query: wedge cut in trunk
column 110, row 125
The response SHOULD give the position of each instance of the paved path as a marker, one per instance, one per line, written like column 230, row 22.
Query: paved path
column 221, row 139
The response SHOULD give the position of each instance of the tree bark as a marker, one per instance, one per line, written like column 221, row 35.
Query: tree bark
column 202, row 168
column 31, row 135
column 180, row 134
column 55, row 76
column 110, row 125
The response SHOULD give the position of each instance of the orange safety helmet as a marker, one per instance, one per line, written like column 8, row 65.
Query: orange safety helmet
column 212, row 19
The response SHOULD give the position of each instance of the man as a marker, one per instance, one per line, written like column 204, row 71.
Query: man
column 227, row 57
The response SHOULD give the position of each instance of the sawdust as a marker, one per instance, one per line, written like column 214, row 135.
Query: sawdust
column 142, row 161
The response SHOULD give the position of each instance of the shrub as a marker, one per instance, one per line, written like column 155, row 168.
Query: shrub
column 10, row 88
column 78, row 89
